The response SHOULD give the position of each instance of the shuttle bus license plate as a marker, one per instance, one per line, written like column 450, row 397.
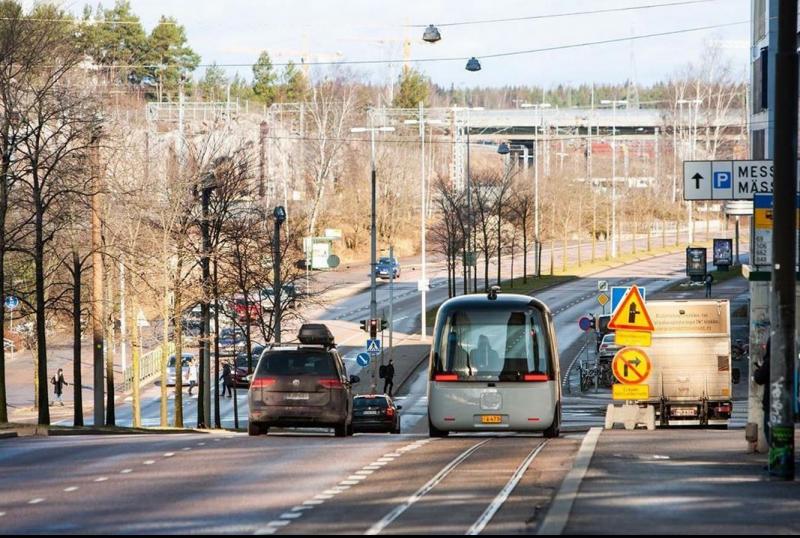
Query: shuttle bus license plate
column 491, row 419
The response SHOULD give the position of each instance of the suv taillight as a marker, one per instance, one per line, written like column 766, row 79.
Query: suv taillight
column 390, row 411
column 262, row 382
column 331, row 383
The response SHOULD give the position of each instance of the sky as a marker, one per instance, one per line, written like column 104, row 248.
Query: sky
column 236, row 31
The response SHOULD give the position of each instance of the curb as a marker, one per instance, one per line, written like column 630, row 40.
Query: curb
column 8, row 435
column 558, row 515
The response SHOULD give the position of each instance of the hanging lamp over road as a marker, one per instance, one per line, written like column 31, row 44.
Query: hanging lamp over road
column 431, row 34
column 473, row 64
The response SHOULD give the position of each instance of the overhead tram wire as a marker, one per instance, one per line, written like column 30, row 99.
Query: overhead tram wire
column 565, row 14
column 464, row 58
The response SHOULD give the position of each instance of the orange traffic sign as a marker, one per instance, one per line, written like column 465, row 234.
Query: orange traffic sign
column 631, row 366
column 631, row 314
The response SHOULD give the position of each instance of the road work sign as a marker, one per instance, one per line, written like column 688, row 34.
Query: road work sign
column 631, row 366
column 630, row 392
column 631, row 314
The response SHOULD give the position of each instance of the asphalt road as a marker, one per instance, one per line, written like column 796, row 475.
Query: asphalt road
column 309, row 482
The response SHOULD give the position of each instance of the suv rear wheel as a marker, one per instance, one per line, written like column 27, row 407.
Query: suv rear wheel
column 256, row 428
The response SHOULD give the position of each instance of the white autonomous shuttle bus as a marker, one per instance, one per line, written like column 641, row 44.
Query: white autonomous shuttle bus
column 494, row 366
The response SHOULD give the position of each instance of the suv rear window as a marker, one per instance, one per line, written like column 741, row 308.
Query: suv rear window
column 297, row 362
column 359, row 403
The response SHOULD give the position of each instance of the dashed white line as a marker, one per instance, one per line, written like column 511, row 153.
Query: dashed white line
column 300, row 508
column 356, row 477
column 101, row 479
column 37, row 500
column 126, row 471
column 2, row 514
column 313, row 502
column 349, row 482
column 149, row 462
column 268, row 530
column 291, row 515
column 322, row 496
column 71, row 489
column 168, row 454
column 366, row 472
column 186, row 448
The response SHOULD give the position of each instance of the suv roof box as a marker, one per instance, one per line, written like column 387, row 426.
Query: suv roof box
column 316, row 334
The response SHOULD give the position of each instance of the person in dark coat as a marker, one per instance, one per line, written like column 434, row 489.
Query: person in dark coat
column 388, row 383
column 227, row 380
column 59, row 382
column 761, row 377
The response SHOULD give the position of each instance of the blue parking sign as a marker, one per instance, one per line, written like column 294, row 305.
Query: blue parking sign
column 722, row 179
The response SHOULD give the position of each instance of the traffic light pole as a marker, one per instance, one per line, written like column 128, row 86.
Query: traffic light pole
column 373, row 300
column 784, row 247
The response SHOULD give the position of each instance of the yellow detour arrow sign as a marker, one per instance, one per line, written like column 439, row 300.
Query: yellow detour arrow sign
column 631, row 366
column 630, row 392
column 631, row 313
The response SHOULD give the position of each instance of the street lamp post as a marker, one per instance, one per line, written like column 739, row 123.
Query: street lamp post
column 689, row 204
column 423, row 285
column 280, row 217
column 613, row 104
column 373, row 301
column 538, row 107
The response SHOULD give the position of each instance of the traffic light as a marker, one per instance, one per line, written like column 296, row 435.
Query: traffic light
column 594, row 322
column 384, row 323
column 373, row 328
column 364, row 326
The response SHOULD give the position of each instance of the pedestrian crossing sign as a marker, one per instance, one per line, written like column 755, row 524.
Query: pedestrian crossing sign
column 373, row 346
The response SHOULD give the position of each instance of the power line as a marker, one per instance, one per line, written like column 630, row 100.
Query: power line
column 464, row 58
column 566, row 14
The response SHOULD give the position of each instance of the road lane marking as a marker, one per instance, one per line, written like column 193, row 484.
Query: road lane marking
column 149, row 462
column 300, row 508
column 168, row 454
column 557, row 516
column 356, row 477
column 2, row 514
column 37, row 500
column 291, row 515
column 421, row 492
column 313, row 502
column 268, row 530
column 366, row 472
column 498, row 501
column 101, row 479
column 323, row 497
column 186, row 448
column 278, row 523
column 126, row 471
column 71, row 489
column 349, row 482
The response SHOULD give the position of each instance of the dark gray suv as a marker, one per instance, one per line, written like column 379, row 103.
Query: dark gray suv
column 302, row 386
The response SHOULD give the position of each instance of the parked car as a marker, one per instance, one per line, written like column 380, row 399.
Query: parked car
column 608, row 348
column 231, row 340
column 289, row 297
column 241, row 369
column 241, row 305
column 385, row 266
column 375, row 413
column 303, row 386
column 187, row 358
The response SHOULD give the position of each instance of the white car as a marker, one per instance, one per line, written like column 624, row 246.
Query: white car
column 187, row 358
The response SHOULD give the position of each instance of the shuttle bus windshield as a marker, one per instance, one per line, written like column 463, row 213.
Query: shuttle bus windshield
column 494, row 345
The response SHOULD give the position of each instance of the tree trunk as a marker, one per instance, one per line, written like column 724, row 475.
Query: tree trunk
column 110, row 354
column 524, row 251
column 178, row 335
column 135, row 363
column 77, row 382
column 499, row 249
column 164, row 361
column 41, row 337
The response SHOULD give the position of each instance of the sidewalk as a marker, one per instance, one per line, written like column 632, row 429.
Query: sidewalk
column 685, row 481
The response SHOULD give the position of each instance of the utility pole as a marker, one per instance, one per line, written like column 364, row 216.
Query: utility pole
column 784, row 247
column 217, row 420
column 613, row 104
column 373, row 302
column 98, row 312
column 203, row 392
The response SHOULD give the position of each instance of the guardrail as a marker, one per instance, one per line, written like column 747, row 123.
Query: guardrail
column 149, row 367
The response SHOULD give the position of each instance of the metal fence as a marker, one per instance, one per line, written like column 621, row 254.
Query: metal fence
column 149, row 367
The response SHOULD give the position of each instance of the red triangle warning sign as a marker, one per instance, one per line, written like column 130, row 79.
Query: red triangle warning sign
column 631, row 314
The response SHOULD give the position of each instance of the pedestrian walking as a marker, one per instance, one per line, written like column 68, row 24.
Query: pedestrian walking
column 761, row 377
column 709, row 280
column 58, row 382
column 227, row 380
column 192, row 375
column 388, row 384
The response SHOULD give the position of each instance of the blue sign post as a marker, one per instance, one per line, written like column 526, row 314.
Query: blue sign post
column 363, row 359
column 11, row 302
column 618, row 293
